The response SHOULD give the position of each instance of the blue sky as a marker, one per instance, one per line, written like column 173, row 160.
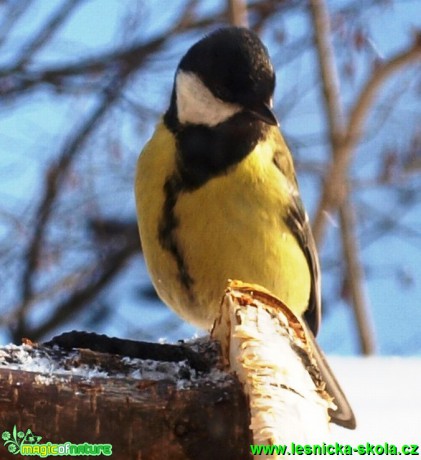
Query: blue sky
column 30, row 127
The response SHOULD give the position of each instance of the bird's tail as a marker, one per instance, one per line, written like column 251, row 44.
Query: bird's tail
column 343, row 415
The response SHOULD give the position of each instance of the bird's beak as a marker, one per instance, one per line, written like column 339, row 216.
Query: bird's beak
column 264, row 113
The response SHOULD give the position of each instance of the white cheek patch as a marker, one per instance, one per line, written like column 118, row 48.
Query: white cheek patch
column 197, row 105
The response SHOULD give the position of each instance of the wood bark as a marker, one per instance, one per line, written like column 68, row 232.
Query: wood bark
column 184, row 401
column 142, row 419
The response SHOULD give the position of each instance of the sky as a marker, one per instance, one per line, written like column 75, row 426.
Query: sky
column 28, row 130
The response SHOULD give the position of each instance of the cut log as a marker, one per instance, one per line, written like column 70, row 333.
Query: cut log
column 186, row 401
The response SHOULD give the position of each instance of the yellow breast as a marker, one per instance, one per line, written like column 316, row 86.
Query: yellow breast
column 231, row 227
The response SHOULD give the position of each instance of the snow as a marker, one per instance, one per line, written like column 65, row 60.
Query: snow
column 25, row 358
column 52, row 369
column 385, row 393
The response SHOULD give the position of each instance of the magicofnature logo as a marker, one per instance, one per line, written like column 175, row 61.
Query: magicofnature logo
column 28, row 443
column 13, row 440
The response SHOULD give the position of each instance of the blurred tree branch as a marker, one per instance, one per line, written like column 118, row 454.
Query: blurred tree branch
column 335, row 116
column 355, row 277
column 59, row 169
column 351, row 133
column 46, row 32
column 237, row 13
column 64, row 247
column 344, row 138
column 124, row 64
column 109, row 265
column 15, row 11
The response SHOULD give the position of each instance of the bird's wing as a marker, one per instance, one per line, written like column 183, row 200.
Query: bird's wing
column 299, row 224
column 297, row 220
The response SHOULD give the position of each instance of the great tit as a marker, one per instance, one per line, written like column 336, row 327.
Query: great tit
column 217, row 197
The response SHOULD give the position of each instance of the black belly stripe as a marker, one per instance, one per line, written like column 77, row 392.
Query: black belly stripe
column 202, row 153
column 166, row 230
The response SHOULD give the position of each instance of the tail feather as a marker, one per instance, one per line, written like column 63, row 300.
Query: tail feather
column 343, row 415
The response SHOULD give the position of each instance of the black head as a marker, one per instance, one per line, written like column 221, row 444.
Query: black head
column 235, row 66
column 221, row 104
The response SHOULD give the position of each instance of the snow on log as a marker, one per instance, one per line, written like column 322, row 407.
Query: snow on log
column 169, row 407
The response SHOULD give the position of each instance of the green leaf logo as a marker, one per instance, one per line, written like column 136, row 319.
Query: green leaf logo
column 13, row 440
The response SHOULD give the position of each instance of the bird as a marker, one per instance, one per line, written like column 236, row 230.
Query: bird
column 217, row 196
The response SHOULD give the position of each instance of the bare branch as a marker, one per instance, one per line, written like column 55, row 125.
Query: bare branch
column 328, row 70
column 17, row 82
column 15, row 11
column 52, row 188
column 355, row 278
column 340, row 156
column 366, row 98
column 333, row 191
column 237, row 13
column 46, row 31
column 59, row 170
column 107, row 269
